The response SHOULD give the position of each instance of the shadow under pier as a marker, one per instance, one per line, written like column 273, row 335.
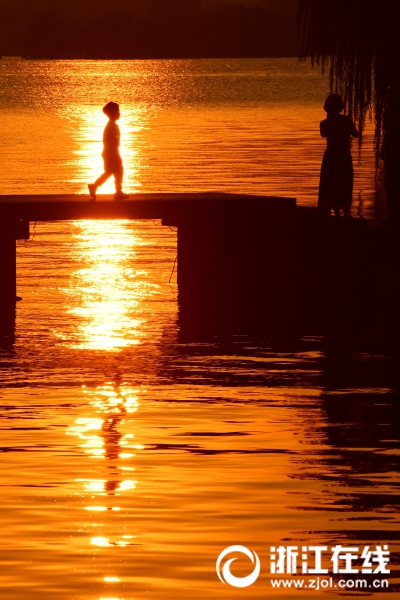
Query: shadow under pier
column 279, row 273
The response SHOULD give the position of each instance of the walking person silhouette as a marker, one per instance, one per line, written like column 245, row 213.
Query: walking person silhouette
column 111, row 156
column 337, row 174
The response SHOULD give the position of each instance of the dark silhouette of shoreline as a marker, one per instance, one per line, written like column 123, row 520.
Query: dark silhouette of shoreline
column 222, row 31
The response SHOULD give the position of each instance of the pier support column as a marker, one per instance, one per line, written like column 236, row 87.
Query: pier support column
column 235, row 270
column 10, row 231
column 236, row 252
column 8, row 268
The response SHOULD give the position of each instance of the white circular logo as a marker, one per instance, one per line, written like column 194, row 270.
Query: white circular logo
column 227, row 577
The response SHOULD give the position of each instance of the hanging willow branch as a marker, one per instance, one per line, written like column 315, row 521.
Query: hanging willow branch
column 358, row 41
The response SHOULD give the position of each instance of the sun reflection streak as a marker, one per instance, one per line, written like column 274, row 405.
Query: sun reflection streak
column 108, row 436
column 93, row 486
column 107, row 292
column 99, row 541
column 100, row 436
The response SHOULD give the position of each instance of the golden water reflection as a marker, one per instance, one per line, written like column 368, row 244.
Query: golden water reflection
column 107, row 434
column 107, row 292
column 108, row 299
column 101, row 437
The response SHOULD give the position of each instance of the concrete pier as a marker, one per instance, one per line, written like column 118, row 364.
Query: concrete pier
column 235, row 252
column 217, row 233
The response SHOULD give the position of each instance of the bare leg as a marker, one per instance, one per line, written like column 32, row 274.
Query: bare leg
column 118, row 178
column 102, row 179
column 93, row 186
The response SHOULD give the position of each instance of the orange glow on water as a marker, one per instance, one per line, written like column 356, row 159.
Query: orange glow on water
column 107, row 434
column 100, row 437
column 248, row 126
column 105, row 291
column 104, row 485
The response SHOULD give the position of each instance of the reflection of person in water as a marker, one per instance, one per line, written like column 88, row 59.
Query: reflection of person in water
column 336, row 183
column 111, row 156
column 390, row 152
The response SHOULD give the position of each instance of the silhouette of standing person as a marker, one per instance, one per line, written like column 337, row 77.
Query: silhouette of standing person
column 390, row 152
column 336, row 182
column 111, row 156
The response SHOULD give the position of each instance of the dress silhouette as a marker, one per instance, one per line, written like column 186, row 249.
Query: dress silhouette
column 336, row 182
column 390, row 152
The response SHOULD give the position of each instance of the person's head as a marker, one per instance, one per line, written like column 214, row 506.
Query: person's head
column 334, row 104
column 111, row 110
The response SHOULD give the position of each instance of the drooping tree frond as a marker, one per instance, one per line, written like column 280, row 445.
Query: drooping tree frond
column 358, row 41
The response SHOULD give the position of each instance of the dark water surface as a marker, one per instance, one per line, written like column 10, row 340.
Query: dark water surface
column 132, row 458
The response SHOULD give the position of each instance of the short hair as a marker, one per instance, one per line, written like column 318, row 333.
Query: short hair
column 110, row 109
column 334, row 103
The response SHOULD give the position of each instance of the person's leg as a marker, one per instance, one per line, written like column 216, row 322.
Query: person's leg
column 118, row 178
column 93, row 186
column 102, row 179
column 108, row 171
column 348, row 192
